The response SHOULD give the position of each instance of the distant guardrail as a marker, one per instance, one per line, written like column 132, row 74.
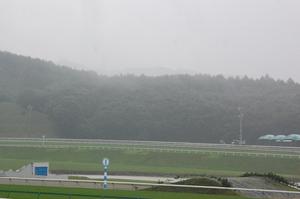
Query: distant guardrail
column 29, row 181
column 155, row 144
column 145, row 142
column 216, row 151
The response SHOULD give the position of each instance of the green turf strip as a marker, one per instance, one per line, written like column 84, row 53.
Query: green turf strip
column 88, row 160
column 93, row 192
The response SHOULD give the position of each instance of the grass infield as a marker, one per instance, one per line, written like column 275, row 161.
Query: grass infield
column 88, row 160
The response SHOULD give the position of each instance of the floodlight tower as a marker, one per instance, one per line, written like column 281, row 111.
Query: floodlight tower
column 241, row 116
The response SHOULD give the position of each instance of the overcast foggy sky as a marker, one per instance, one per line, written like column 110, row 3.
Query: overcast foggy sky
column 231, row 37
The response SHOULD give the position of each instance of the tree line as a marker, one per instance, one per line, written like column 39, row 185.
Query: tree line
column 195, row 108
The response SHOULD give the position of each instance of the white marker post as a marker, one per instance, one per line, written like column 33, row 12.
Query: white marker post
column 105, row 163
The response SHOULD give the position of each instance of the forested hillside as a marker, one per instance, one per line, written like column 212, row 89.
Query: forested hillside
column 199, row 108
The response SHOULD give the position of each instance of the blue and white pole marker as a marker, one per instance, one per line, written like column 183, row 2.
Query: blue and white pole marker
column 105, row 163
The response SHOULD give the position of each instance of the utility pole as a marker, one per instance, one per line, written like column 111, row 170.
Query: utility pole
column 29, row 111
column 44, row 140
column 241, row 116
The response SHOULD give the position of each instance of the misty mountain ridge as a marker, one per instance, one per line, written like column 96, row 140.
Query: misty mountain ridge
column 149, row 71
column 196, row 108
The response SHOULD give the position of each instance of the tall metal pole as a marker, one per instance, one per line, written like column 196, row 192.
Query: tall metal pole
column 241, row 116
column 44, row 140
column 29, row 109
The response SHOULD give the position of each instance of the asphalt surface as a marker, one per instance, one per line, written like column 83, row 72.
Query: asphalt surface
column 133, row 178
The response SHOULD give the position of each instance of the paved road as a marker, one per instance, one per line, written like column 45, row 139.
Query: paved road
column 134, row 178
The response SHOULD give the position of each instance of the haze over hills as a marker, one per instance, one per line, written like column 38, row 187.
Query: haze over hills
column 232, row 37
column 195, row 108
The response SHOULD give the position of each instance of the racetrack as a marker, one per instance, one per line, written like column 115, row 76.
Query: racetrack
column 149, row 158
column 186, row 147
column 130, row 185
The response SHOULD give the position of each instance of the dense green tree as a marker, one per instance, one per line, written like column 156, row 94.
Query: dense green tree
column 197, row 108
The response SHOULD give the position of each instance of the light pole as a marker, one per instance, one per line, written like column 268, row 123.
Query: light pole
column 29, row 109
column 241, row 116
column 44, row 140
